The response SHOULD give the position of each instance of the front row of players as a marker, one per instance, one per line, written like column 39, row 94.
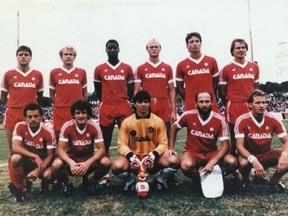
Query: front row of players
column 144, row 149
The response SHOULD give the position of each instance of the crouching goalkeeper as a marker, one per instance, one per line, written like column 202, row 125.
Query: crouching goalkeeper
column 142, row 137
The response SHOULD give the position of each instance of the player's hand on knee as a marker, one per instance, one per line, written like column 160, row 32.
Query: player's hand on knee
column 259, row 170
column 283, row 162
column 169, row 153
column 33, row 174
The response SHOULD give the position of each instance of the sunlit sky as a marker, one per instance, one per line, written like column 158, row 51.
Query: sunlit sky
column 47, row 26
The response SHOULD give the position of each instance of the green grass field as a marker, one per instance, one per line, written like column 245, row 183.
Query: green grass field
column 186, row 199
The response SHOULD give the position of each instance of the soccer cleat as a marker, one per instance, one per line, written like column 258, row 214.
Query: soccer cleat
column 172, row 181
column 12, row 189
column 160, row 185
column 19, row 196
column 245, row 183
column 105, row 181
column 67, row 189
column 29, row 188
column 56, row 186
column 94, row 186
column 260, row 180
column 278, row 187
column 130, row 186
column 45, row 186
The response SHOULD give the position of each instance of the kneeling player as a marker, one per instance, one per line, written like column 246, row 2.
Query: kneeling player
column 33, row 146
column 76, row 149
column 143, row 135
column 254, row 132
column 204, row 127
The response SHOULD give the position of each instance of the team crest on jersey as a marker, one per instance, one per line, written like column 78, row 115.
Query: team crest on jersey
column 234, row 69
column 150, row 129
column 163, row 69
column 33, row 78
column 133, row 133
column 267, row 127
column 251, row 69
column 40, row 139
column 60, row 74
column 194, row 123
column 188, row 66
column 206, row 64
column 15, row 77
column 146, row 69
column 105, row 70
column 87, row 135
column 122, row 71
column 76, row 75
column 211, row 129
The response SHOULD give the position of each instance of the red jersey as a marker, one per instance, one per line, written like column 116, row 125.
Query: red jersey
column 198, row 77
column 68, row 85
column 38, row 142
column 114, row 80
column 80, row 142
column 154, row 78
column 240, row 80
column 258, row 136
column 202, row 135
column 22, row 88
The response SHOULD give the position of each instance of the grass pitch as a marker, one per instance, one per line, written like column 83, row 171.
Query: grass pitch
column 186, row 199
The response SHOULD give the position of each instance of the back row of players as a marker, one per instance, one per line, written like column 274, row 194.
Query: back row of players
column 114, row 82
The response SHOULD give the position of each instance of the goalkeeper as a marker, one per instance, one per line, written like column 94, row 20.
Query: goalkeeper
column 143, row 134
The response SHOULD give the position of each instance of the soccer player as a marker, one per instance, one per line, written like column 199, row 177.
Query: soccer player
column 198, row 72
column 19, row 87
column 76, row 155
column 237, row 81
column 33, row 147
column 113, row 82
column 156, row 78
column 67, row 84
column 143, row 134
column 204, row 127
column 254, row 131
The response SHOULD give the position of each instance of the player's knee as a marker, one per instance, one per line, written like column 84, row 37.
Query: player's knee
column 47, row 174
column 186, row 166
column 174, row 161
column 243, row 163
column 105, row 163
column 118, row 167
column 57, row 163
column 231, row 161
column 16, row 160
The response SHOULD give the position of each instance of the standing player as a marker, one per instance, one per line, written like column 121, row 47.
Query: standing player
column 254, row 132
column 198, row 72
column 19, row 87
column 67, row 84
column 237, row 81
column 34, row 149
column 113, row 82
column 78, row 138
column 204, row 127
column 143, row 134
column 156, row 78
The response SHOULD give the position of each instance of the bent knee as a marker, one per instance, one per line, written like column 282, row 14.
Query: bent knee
column 119, row 165
column 16, row 160
column 57, row 163
column 231, row 161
